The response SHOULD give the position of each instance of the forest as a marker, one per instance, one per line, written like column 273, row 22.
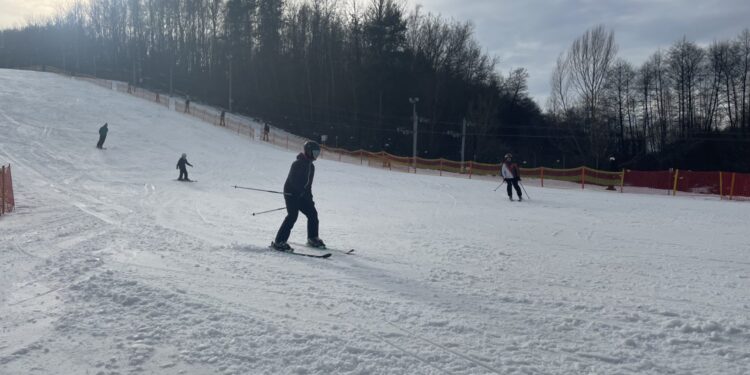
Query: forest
column 351, row 71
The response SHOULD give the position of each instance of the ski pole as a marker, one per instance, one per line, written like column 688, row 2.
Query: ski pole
column 498, row 186
column 265, row 191
column 524, row 190
column 265, row 212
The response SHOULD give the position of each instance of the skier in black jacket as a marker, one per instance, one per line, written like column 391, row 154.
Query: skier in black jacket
column 183, row 169
column 299, row 198
column 102, row 136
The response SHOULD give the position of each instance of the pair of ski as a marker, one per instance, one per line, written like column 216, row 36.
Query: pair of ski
column 323, row 256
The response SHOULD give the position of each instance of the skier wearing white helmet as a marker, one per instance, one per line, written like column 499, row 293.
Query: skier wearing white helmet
column 510, row 173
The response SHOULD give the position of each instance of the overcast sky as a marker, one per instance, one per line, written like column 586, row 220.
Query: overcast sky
column 532, row 33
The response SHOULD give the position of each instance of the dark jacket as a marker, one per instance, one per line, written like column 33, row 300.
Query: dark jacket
column 300, row 179
column 181, row 163
column 103, row 131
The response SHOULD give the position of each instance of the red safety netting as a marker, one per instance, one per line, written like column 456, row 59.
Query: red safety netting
column 735, row 185
column 741, row 185
column 663, row 180
column 7, row 201
column 698, row 182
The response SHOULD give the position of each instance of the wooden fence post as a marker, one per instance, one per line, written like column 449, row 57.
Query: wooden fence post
column 676, row 177
column 583, row 177
column 471, row 168
column 541, row 176
column 721, row 186
column 441, row 166
column 731, row 190
column 622, row 181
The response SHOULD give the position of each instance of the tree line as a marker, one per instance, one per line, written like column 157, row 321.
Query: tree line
column 347, row 70
column 312, row 67
column 687, row 106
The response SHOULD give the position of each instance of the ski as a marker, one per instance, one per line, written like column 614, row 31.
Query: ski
column 347, row 252
column 292, row 252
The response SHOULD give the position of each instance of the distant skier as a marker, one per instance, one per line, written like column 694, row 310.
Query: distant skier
column 266, row 129
column 299, row 198
column 510, row 173
column 183, row 169
column 102, row 136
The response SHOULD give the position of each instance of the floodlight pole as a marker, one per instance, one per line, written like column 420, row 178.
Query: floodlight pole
column 414, row 102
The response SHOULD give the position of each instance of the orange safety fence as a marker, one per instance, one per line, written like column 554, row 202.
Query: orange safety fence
column 7, row 201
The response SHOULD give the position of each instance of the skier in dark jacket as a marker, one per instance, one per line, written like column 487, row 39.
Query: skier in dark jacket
column 183, row 169
column 299, row 198
column 102, row 136
column 510, row 173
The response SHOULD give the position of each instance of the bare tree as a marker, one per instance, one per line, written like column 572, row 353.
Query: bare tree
column 618, row 85
column 589, row 58
column 560, row 83
column 684, row 60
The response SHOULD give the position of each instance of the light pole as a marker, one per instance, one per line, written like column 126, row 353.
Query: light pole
column 229, row 58
column 414, row 102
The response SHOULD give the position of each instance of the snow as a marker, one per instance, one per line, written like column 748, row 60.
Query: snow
column 109, row 266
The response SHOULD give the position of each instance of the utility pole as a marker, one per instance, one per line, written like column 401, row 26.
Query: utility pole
column 230, row 82
column 463, row 144
column 414, row 102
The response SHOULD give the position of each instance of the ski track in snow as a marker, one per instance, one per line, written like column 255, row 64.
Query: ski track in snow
column 110, row 267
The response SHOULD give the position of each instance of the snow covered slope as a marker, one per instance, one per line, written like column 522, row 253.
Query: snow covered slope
column 110, row 266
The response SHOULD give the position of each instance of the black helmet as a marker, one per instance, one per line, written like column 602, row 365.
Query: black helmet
column 312, row 150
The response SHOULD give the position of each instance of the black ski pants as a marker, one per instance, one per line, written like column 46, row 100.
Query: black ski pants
column 101, row 141
column 514, row 183
column 295, row 205
column 183, row 174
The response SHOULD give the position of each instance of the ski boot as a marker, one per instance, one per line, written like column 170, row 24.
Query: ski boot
column 511, row 199
column 316, row 243
column 281, row 246
column 520, row 199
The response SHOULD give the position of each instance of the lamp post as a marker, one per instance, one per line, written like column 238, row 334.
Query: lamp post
column 611, row 168
column 229, row 60
column 414, row 102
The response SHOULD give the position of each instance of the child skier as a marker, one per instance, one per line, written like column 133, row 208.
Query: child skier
column 183, row 169
column 510, row 173
column 299, row 198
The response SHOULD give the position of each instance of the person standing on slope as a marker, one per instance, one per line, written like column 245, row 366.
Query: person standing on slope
column 183, row 169
column 299, row 198
column 102, row 136
column 510, row 173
